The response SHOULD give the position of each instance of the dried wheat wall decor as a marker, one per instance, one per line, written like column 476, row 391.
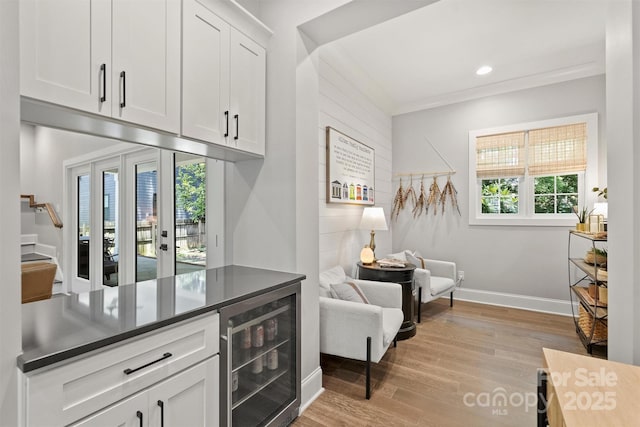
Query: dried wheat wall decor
column 423, row 201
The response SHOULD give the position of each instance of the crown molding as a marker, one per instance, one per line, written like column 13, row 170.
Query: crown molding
column 559, row 75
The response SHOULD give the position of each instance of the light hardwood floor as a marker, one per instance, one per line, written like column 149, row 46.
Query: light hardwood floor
column 449, row 373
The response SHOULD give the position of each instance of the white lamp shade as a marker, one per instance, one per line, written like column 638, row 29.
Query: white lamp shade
column 373, row 219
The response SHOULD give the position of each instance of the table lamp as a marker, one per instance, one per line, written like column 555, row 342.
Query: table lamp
column 373, row 219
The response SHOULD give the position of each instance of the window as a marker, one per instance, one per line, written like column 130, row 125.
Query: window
column 500, row 196
column 532, row 173
column 555, row 194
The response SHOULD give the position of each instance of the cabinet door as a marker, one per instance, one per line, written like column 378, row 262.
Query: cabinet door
column 146, row 63
column 190, row 398
column 65, row 54
column 247, row 91
column 205, row 67
column 130, row 412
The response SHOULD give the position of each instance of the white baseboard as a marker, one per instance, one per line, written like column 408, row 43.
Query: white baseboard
column 543, row 305
column 311, row 389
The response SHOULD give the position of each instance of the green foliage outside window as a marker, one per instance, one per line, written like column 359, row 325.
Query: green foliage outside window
column 191, row 190
column 500, row 196
column 555, row 194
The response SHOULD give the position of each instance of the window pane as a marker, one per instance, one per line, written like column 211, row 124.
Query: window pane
column 110, row 227
column 490, row 187
column 490, row 205
column 544, row 185
column 567, row 202
column 146, row 221
column 190, row 213
column 509, row 186
column 84, row 225
column 555, row 194
column 500, row 196
column 567, row 184
column 545, row 204
column 509, row 205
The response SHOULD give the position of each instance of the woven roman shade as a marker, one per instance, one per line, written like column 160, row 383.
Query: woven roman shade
column 558, row 149
column 500, row 156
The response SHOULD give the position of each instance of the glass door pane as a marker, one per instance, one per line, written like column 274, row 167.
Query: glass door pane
column 84, row 225
column 146, row 221
column 190, row 212
column 110, row 227
column 263, row 362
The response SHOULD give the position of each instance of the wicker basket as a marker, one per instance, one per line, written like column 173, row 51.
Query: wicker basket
column 591, row 259
column 585, row 321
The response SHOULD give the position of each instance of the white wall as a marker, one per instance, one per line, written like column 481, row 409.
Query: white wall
column 272, row 203
column 10, row 308
column 623, row 123
column 351, row 112
column 528, row 261
column 42, row 153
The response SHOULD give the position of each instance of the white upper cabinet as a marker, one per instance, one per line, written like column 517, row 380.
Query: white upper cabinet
column 194, row 68
column 224, row 78
column 117, row 58
column 247, row 89
column 66, row 51
column 205, row 64
column 145, row 76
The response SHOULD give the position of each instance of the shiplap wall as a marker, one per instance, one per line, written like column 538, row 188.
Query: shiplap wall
column 348, row 110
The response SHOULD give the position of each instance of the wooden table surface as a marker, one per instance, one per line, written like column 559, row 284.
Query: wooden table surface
column 592, row 391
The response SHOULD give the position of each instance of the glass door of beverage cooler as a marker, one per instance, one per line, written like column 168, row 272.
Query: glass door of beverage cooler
column 260, row 351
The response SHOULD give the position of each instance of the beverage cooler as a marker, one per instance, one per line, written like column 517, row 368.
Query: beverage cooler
column 260, row 359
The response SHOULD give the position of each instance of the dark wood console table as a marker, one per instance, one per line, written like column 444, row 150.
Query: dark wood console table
column 403, row 276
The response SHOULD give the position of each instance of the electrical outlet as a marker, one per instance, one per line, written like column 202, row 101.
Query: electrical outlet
column 460, row 275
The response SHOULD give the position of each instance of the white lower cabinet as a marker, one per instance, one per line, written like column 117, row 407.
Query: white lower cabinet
column 123, row 384
column 126, row 413
column 189, row 398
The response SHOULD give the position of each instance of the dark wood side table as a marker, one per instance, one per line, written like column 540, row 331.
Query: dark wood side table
column 403, row 276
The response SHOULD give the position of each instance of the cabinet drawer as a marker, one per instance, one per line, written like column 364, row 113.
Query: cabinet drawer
column 67, row 393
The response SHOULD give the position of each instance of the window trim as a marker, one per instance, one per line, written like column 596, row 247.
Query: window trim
column 526, row 217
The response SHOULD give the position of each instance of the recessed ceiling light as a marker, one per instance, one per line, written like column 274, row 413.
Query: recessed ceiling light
column 485, row 69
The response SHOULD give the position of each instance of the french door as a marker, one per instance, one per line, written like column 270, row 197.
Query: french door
column 143, row 214
column 147, row 220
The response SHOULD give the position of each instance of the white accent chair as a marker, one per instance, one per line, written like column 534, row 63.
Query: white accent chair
column 433, row 278
column 355, row 330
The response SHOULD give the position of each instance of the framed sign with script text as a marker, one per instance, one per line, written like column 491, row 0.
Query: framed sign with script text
column 350, row 170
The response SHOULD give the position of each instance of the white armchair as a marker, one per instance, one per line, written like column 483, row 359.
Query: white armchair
column 355, row 330
column 432, row 278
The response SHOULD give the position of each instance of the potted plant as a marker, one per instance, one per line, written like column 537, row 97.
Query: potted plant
column 582, row 215
column 602, row 192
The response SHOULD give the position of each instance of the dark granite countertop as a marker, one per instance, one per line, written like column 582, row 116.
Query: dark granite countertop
column 63, row 327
